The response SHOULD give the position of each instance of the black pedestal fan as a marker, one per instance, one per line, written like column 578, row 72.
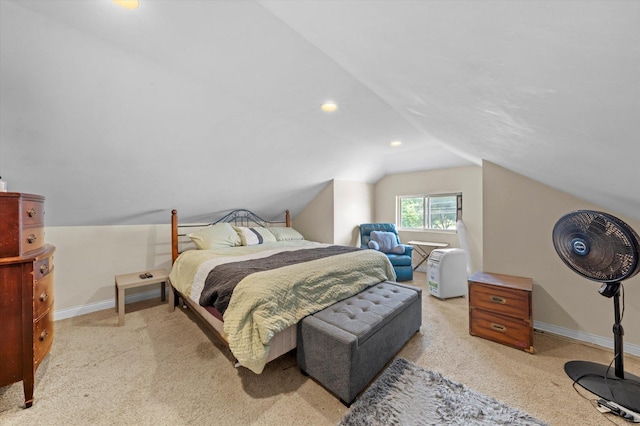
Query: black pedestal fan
column 602, row 248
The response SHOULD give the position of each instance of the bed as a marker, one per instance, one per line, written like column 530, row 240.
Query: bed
column 252, row 280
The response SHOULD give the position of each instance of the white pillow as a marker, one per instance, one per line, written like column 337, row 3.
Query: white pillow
column 387, row 242
column 286, row 233
column 215, row 236
column 251, row 236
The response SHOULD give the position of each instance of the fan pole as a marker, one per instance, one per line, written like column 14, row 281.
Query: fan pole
column 618, row 332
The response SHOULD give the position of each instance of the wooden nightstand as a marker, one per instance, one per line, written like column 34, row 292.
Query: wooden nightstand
column 500, row 309
column 127, row 281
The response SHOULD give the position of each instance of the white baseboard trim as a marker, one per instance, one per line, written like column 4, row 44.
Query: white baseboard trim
column 105, row 304
column 422, row 268
column 605, row 342
column 549, row 328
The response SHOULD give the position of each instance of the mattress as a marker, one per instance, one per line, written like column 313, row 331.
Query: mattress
column 267, row 302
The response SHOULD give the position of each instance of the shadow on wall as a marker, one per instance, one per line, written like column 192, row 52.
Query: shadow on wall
column 159, row 247
column 355, row 236
column 560, row 316
column 156, row 216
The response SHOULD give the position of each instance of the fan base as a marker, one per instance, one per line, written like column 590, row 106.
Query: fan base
column 591, row 376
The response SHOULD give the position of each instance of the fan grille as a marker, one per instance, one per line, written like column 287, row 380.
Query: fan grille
column 597, row 245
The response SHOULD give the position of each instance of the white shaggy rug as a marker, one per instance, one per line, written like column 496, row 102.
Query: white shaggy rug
column 406, row 394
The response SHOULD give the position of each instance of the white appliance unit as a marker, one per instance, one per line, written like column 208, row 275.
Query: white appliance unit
column 447, row 273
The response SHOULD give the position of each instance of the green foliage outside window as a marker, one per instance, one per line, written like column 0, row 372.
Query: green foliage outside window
column 412, row 212
column 428, row 212
column 442, row 212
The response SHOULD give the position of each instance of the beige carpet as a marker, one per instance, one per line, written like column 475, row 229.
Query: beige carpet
column 162, row 368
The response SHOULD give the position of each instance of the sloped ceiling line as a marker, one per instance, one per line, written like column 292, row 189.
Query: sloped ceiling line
column 547, row 90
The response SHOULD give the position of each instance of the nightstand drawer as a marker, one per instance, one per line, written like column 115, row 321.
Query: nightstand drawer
column 500, row 300
column 42, row 337
column 502, row 329
column 43, row 267
column 42, row 296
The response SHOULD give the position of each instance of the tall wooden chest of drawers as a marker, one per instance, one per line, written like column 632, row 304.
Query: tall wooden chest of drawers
column 26, row 290
column 500, row 309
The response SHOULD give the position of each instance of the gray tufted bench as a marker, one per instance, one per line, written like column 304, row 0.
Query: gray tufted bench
column 345, row 345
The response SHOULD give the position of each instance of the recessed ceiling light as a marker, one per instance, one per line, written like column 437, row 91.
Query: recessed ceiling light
column 329, row 107
column 128, row 4
column 396, row 143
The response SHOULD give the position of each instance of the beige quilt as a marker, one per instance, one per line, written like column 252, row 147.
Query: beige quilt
column 267, row 302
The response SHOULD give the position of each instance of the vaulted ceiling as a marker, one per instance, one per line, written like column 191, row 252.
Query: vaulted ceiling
column 118, row 116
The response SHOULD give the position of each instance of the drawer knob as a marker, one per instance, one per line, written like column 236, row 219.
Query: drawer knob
column 32, row 212
column 498, row 327
column 44, row 296
column 31, row 239
column 43, row 335
column 44, row 268
column 498, row 299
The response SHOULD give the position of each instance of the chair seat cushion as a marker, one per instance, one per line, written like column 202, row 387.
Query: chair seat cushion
column 399, row 259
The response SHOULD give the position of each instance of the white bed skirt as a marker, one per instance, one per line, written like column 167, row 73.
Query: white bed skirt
column 281, row 343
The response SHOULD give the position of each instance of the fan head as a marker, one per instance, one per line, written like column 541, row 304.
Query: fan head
column 597, row 245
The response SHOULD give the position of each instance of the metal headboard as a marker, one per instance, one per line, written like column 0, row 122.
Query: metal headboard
column 243, row 217
column 239, row 217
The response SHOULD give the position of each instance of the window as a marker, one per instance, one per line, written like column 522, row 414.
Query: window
column 429, row 212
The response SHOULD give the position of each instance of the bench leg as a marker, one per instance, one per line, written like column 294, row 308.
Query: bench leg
column 120, row 298
column 346, row 404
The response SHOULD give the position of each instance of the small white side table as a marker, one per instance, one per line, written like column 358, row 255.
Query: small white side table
column 127, row 281
column 424, row 249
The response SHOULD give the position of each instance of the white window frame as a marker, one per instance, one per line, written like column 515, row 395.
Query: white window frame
column 425, row 203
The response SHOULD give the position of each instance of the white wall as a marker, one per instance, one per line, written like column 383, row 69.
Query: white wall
column 315, row 221
column 334, row 216
column 354, row 205
column 88, row 258
column 519, row 215
column 509, row 219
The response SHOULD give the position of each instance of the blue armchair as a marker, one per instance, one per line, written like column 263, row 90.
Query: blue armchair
column 401, row 262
